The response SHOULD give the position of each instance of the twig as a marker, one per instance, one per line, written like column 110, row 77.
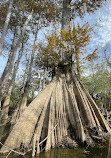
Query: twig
column 45, row 138
column 49, row 135
column 4, row 123
column 8, row 154
column 20, row 153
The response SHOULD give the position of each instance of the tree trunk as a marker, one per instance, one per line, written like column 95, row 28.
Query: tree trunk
column 63, row 104
column 40, row 82
column 23, row 102
column 5, row 108
column 44, row 82
column 33, row 95
column 4, row 32
column 66, row 17
column 32, row 56
column 109, row 148
column 11, row 84
column 7, row 71
column 27, row 86
column 26, row 72
column 16, row 113
column 77, row 61
column 66, row 11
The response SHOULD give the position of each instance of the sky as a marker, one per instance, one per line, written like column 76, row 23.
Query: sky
column 102, row 26
column 101, row 36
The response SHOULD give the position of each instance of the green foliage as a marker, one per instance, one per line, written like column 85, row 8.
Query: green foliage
column 15, row 97
column 98, row 83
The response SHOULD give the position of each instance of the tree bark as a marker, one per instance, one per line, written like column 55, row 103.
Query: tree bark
column 40, row 83
column 32, row 116
column 66, row 15
column 6, row 25
column 44, row 82
column 11, row 84
column 5, row 108
column 26, row 72
column 50, row 140
column 85, row 107
column 40, row 124
column 77, row 61
column 75, row 121
column 6, row 72
column 109, row 148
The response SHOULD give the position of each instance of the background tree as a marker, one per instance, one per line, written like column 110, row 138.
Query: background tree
column 6, row 25
column 98, row 84
column 35, row 7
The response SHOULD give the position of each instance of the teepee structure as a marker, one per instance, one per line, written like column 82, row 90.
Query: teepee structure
column 63, row 108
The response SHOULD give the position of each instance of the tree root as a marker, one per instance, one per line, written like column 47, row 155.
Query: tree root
column 63, row 108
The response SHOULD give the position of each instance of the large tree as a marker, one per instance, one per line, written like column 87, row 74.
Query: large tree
column 64, row 108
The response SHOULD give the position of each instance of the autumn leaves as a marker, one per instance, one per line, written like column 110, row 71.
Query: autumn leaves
column 68, row 45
